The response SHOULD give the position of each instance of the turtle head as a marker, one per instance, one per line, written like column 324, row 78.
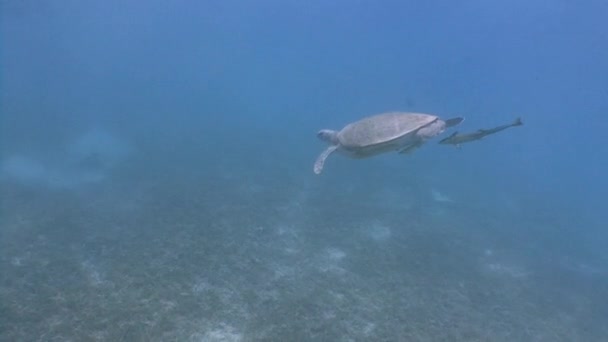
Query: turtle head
column 328, row 136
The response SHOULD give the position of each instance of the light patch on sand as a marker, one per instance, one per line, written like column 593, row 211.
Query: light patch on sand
column 328, row 314
column 93, row 273
column 201, row 286
column 282, row 271
column 496, row 263
column 378, row 232
column 222, row 333
column 586, row 268
column 290, row 238
column 506, row 270
column 337, row 296
column 230, row 299
column 17, row 261
column 360, row 327
column 368, row 328
column 331, row 259
column 335, row 254
column 439, row 197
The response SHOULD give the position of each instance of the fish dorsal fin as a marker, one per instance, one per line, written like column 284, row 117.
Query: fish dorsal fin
column 453, row 134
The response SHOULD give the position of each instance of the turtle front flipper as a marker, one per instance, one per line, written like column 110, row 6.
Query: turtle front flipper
column 321, row 159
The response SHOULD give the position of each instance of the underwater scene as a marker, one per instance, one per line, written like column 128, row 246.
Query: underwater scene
column 303, row 170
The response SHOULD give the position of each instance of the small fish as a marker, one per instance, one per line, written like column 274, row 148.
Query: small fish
column 457, row 139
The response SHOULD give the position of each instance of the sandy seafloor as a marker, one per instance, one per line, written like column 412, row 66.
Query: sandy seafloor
column 171, row 254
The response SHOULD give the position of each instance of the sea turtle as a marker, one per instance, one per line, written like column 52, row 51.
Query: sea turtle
column 393, row 131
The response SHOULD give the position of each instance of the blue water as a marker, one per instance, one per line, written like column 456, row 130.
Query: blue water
column 156, row 171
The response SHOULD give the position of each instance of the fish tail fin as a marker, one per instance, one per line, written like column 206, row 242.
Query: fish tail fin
column 517, row 122
column 448, row 139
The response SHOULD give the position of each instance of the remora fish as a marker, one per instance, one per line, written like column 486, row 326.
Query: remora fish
column 457, row 139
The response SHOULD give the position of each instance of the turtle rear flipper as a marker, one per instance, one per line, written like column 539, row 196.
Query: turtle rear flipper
column 453, row 121
column 321, row 159
column 410, row 148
